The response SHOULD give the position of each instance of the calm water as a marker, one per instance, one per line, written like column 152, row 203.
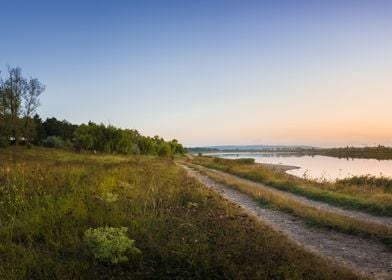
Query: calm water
column 320, row 167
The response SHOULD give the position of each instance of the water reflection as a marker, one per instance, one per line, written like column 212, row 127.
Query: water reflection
column 320, row 167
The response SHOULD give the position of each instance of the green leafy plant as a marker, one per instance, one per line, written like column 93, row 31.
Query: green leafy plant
column 53, row 142
column 109, row 244
column 109, row 197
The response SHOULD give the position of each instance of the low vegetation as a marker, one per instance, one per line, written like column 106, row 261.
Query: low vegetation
column 312, row 215
column 60, row 211
column 111, row 245
column 383, row 183
column 370, row 195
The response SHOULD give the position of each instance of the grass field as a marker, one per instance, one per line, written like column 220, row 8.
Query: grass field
column 363, row 193
column 50, row 198
column 312, row 215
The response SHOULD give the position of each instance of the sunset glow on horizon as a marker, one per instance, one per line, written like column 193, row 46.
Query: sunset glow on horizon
column 213, row 72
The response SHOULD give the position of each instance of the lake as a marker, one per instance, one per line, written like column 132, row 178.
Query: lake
column 319, row 167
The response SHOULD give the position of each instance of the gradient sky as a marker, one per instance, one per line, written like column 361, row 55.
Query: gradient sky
column 211, row 72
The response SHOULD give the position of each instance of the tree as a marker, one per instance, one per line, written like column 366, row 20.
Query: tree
column 164, row 149
column 31, row 102
column 19, row 100
column 109, row 139
column 2, row 107
column 4, row 139
column 83, row 137
column 14, row 88
column 63, row 129
column 176, row 147
column 40, row 134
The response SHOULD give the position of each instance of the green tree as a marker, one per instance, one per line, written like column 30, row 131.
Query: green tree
column 109, row 139
column 14, row 88
column 31, row 102
column 164, row 149
column 2, row 107
column 84, row 137
column 63, row 129
column 40, row 134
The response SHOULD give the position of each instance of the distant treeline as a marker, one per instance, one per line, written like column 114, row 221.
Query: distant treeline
column 245, row 149
column 378, row 152
column 109, row 139
column 196, row 150
column 21, row 125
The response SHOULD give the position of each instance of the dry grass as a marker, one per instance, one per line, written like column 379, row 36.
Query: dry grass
column 367, row 197
column 312, row 214
column 49, row 198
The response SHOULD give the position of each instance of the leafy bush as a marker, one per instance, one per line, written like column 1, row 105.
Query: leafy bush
column 135, row 150
column 53, row 142
column 109, row 244
column 109, row 197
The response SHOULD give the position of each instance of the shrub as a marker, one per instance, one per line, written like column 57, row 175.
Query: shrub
column 109, row 244
column 109, row 197
column 53, row 142
column 135, row 150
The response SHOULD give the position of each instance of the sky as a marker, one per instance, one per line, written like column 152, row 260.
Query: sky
column 211, row 72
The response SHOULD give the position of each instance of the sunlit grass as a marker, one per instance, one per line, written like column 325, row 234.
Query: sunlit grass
column 50, row 198
column 312, row 215
column 367, row 197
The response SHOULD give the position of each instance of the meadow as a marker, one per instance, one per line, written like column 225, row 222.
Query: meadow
column 51, row 200
column 313, row 215
column 368, row 194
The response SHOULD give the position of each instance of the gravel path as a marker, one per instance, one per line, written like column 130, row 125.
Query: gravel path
column 368, row 257
column 383, row 220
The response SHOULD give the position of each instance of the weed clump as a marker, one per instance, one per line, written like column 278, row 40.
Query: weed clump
column 111, row 245
column 109, row 197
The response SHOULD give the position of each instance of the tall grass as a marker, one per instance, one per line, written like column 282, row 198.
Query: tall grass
column 360, row 195
column 381, row 182
column 312, row 215
column 48, row 200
